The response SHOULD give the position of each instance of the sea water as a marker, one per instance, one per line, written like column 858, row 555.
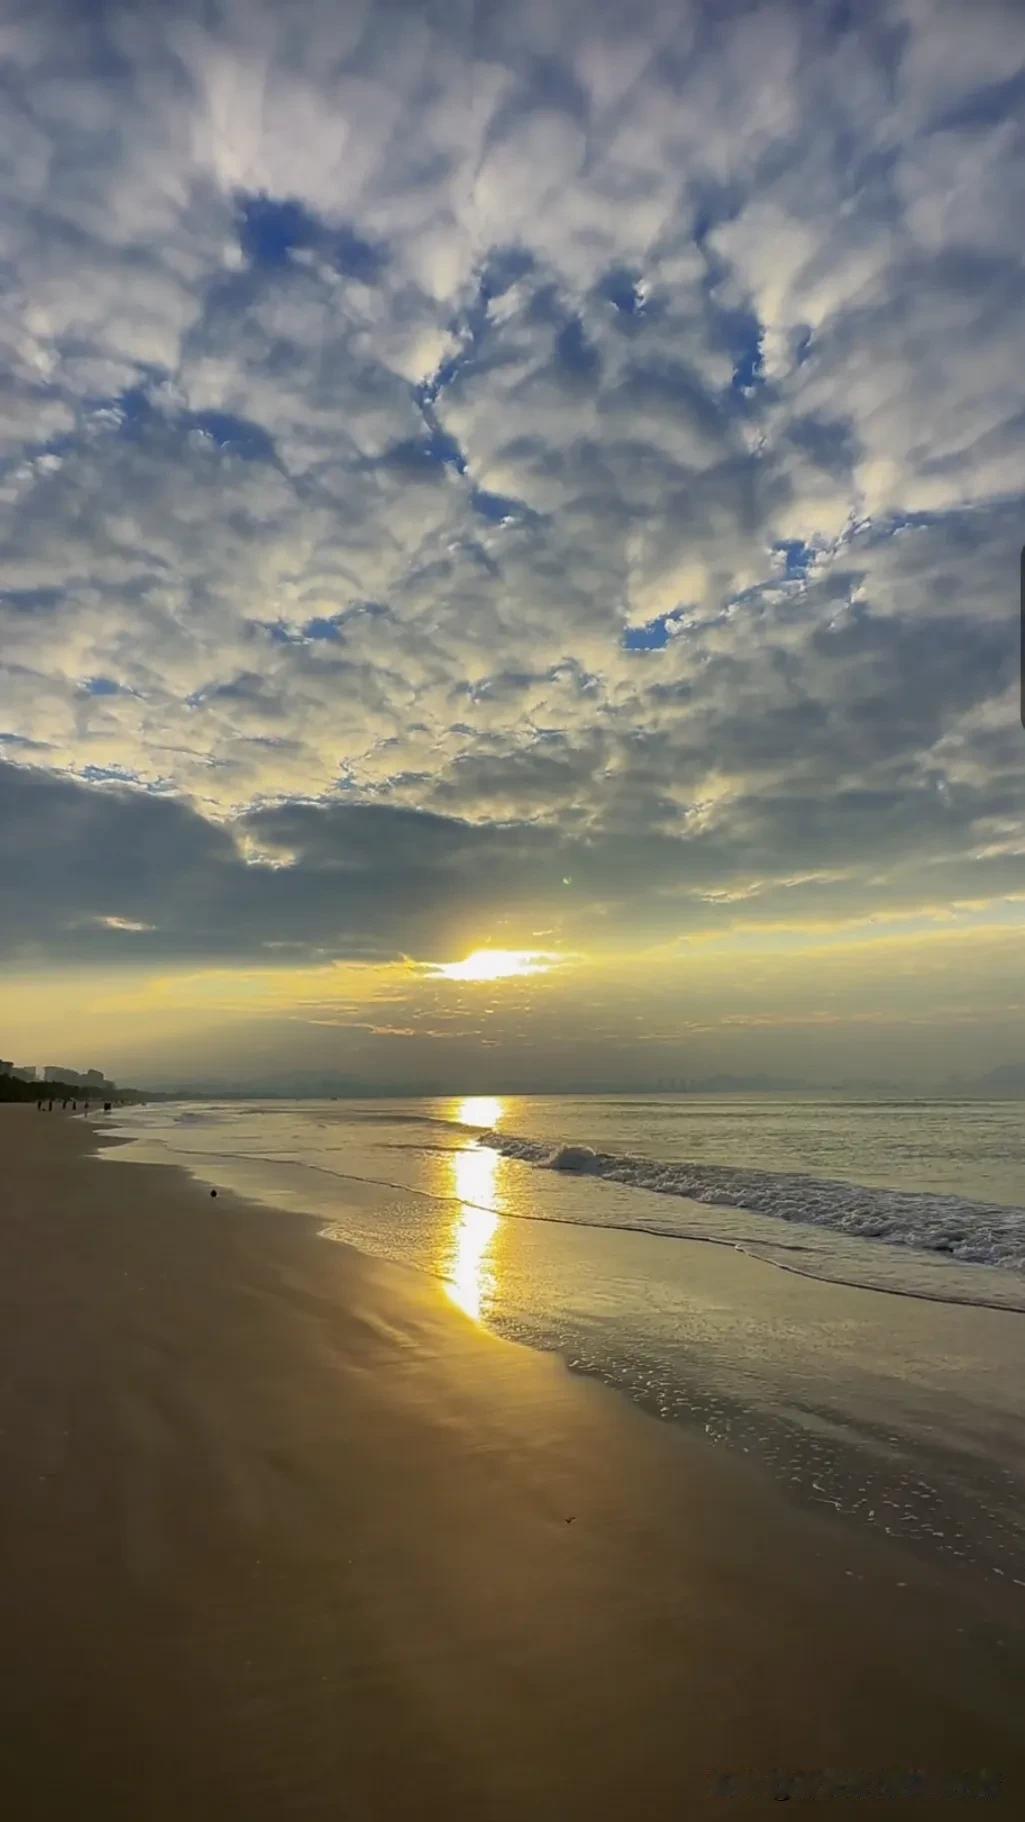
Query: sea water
column 558, row 1221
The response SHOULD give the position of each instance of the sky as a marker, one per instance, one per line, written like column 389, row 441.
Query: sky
column 532, row 479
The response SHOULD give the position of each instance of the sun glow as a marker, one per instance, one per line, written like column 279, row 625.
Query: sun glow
column 494, row 965
column 480, row 1110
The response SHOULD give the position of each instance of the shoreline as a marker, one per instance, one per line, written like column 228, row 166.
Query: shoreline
column 287, row 1534
column 906, row 1421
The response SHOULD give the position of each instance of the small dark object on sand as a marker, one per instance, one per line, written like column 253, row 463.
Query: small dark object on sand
column 213, row 1192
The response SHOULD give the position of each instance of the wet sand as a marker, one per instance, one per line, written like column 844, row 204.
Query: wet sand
column 284, row 1534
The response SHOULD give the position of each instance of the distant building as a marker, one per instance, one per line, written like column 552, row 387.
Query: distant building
column 6, row 1068
column 92, row 1079
column 24, row 1072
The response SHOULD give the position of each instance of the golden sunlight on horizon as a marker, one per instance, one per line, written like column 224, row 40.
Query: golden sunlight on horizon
column 469, row 1276
column 484, row 1110
column 494, row 965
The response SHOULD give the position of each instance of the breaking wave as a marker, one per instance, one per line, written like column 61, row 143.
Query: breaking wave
column 972, row 1233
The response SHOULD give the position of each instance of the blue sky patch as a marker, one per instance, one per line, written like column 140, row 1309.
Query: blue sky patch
column 796, row 556
column 620, row 289
column 497, row 507
column 422, row 458
column 109, row 774
column 326, row 630
column 653, row 637
column 238, row 436
column 745, row 338
column 271, row 229
column 356, row 257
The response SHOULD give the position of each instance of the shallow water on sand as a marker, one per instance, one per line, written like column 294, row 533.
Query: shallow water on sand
column 902, row 1405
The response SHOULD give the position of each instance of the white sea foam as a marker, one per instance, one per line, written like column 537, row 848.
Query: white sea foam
column 972, row 1233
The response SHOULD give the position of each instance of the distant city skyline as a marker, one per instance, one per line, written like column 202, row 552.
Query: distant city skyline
column 57, row 1072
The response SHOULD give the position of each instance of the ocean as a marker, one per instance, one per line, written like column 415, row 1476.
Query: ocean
column 836, row 1288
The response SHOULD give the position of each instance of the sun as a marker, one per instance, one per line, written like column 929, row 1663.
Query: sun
column 494, row 965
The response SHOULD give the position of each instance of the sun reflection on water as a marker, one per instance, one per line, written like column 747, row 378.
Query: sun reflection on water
column 480, row 1110
column 470, row 1270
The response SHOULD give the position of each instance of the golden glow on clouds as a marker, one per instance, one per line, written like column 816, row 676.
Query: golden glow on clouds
column 494, row 965
column 719, row 1000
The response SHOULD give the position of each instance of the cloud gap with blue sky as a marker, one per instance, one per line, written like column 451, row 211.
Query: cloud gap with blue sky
column 451, row 451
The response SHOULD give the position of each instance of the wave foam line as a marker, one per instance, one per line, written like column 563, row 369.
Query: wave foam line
column 970, row 1233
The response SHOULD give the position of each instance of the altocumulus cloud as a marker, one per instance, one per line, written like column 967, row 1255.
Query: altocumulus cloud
column 439, row 443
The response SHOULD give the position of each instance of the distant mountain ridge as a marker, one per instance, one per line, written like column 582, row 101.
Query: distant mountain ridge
column 1005, row 1083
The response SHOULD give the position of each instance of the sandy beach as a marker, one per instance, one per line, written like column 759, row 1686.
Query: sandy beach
column 285, row 1534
